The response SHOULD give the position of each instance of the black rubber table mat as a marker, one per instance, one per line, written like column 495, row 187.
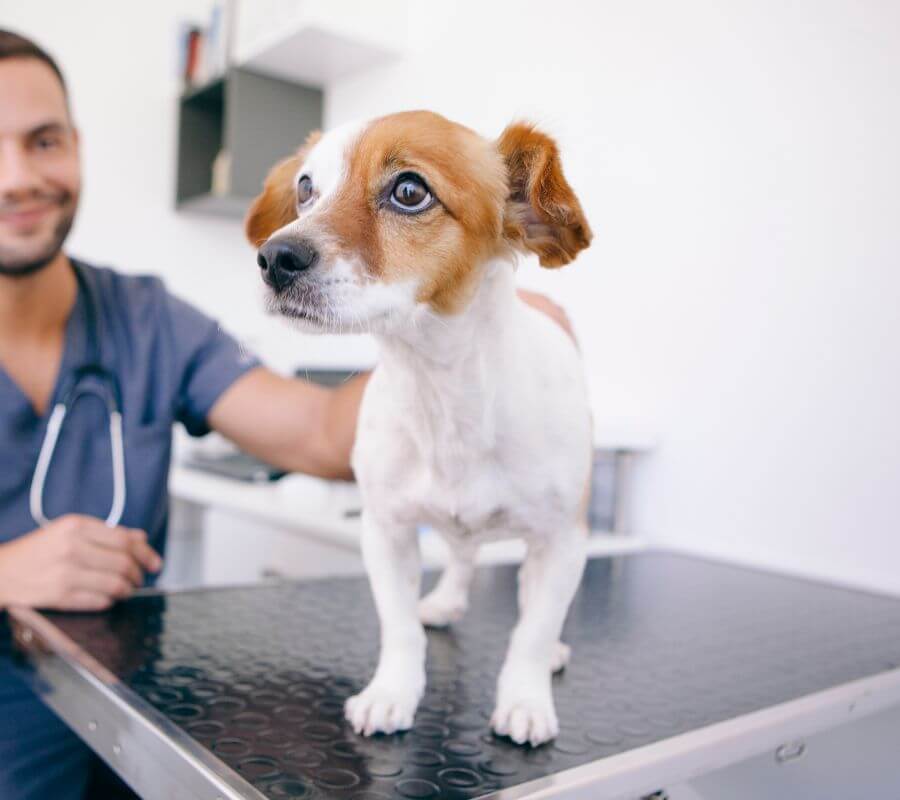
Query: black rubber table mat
column 661, row 645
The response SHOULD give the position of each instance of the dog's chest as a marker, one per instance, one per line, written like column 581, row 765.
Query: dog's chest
column 476, row 501
column 440, row 476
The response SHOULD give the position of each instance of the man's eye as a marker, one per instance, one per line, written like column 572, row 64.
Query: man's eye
column 410, row 194
column 304, row 190
column 48, row 142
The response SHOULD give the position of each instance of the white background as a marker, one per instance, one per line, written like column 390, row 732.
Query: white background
column 739, row 163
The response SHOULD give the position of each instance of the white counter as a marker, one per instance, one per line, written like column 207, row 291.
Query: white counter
column 299, row 526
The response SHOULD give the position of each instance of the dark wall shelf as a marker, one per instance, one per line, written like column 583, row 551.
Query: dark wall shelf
column 256, row 120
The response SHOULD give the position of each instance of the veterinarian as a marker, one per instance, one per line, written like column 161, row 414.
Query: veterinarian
column 83, row 505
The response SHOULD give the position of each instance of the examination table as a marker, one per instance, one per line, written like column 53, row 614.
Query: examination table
column 679, row 666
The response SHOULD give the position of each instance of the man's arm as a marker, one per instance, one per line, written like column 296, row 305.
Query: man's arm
column 291, row 423
column 303, row 427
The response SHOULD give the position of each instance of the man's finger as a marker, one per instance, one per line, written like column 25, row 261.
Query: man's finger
column 104, row 559
column 146, row 556
column 83, row 600
column 102, row 535
column 105, row 583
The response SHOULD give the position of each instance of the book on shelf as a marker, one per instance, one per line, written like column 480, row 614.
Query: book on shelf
column 204, row 51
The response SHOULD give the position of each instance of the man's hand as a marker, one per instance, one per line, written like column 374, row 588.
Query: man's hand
column 76, row 563
column 544, row 304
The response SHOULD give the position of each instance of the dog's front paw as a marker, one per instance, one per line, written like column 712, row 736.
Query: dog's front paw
column 527, row 719
column 525, row 709
column 438, row 610
column 380, row 708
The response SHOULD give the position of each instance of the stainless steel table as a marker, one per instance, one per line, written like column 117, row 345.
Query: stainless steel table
column 680, row 666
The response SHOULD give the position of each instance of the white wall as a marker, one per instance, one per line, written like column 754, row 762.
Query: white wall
column 738, row 161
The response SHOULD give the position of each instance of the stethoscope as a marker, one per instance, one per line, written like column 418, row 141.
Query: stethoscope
column 90, row 379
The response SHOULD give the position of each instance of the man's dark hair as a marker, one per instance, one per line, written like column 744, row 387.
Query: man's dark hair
column 13, row 45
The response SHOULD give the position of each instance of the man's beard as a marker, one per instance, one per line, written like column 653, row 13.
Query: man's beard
column 12, row 265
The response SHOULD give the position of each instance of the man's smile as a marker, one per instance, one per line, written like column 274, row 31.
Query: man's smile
column 27, row 216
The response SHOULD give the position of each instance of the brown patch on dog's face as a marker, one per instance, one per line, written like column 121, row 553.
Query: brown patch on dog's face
column 443, row 245
column 277, row 205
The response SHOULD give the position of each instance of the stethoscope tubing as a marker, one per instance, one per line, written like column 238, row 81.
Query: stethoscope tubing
column 58, row 416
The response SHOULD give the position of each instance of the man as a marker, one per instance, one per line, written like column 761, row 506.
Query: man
column 170, row 363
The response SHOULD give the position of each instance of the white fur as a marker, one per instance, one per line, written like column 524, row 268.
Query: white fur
column 326, row 163
column 478, row 425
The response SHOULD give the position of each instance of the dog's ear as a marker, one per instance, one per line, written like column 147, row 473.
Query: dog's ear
column 276, row 206
column 542, row 213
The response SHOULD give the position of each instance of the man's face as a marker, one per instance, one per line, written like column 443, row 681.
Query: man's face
column 40, row 176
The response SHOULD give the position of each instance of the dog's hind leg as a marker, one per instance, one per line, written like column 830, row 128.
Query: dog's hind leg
column 449, row 599
column 548, row 580
column 388, row 703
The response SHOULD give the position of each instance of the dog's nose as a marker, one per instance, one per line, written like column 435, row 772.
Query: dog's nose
column 281, row 262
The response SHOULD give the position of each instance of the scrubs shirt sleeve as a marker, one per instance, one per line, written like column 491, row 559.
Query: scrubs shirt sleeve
column 209, row 360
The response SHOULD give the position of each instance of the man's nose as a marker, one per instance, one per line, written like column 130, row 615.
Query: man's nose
column 282, row 261
column 17, row 173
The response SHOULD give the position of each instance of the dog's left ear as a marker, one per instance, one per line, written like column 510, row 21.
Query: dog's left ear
column 542, row 213
column 276, row 206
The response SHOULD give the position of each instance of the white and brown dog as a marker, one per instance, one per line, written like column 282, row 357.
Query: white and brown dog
column 476, row 419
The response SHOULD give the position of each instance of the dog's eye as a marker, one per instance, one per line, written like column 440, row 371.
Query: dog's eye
column 410, row 194
column 304, row 190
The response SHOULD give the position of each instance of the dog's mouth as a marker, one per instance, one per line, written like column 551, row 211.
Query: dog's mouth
column 302, row 313
column 298, row 303
column 319, row 308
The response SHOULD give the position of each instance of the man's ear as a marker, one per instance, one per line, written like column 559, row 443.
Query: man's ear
column 275, row 207
column 542, row 214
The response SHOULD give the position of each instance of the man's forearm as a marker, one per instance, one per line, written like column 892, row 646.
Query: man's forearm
column 340, row 423
column 291, row 423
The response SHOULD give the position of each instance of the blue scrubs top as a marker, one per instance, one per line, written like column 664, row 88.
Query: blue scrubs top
column 172, row 363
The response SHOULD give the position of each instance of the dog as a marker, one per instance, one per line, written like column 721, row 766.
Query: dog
column 476, row 419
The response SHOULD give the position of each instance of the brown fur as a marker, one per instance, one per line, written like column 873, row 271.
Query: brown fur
column 490, row 196
column 276, row 206
column 444, row 244
column 543, row 214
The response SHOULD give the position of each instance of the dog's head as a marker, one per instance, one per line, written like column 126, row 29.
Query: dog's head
column 366, row 223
